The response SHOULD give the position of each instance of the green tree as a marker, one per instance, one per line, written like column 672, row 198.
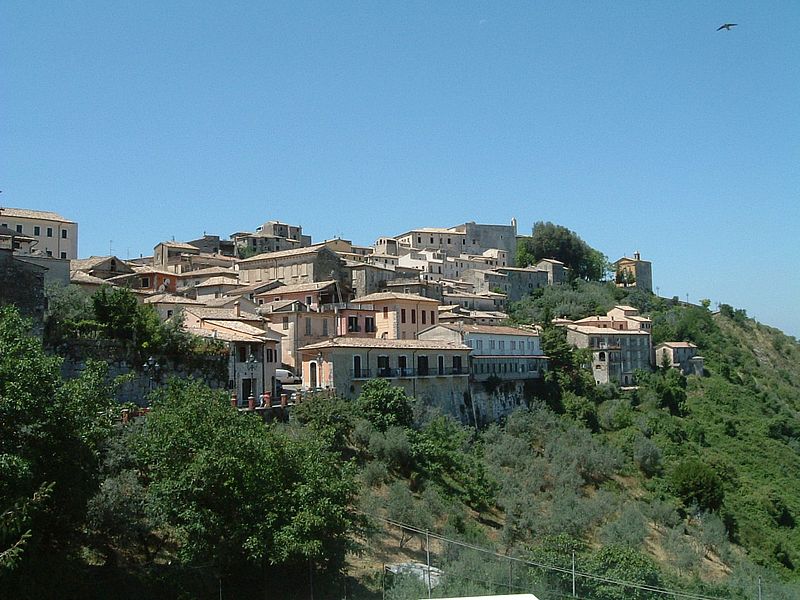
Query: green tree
column 50, row 438
column 235, row 492
column 558, row 242
column 696, row 484
column 385, row 405
column 621, row 563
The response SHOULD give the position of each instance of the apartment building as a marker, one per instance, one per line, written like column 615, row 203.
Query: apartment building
column 53, row 235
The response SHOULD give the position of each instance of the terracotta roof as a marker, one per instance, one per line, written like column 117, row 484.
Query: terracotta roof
column 277, row 305
column 33, row 214
column 381, row 296
column 352, row 342
column 256, row 287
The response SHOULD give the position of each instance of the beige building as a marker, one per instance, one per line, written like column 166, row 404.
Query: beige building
column 433, row 372
column 298, row 326
column 53, row 234
column 620, row 342
column 401, row 316
column 679, row 355
column 634, row 272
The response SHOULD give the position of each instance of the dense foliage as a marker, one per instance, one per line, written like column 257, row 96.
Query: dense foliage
column 558, row 242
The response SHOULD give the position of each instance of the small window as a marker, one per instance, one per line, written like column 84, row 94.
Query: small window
column 19, row 228
column 423, row 314
column 402, row 315
column 145, row 282
column 385, row 312
column 169, row 314
column 63, row 255
column 49, row 232
column 64, row 234
column 413, row 315
column 285, row 323
column 325, row 327
column 308, row 326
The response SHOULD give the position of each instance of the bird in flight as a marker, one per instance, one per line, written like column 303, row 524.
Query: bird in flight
column 726, row 26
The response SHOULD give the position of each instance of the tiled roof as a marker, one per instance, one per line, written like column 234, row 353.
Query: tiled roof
column 588, row 329
column 241, row 327
column 83, row 277
column 489, row 329
column 284, row 253
column 87, row 264
column 224, row 335
column 382, row 296
column 352, row 342
column 182, row 245
column 300, row 287
column 202, row 312
column 677, row 344
column 219, row 280
column 170, row 299
column 33, row 214
column 257, row 287
column 223, row 271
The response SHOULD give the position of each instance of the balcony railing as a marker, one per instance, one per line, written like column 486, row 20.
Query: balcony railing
column 399, row 373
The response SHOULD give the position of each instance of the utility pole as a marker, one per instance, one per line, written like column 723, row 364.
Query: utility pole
column 574, row 595
column 428, row 557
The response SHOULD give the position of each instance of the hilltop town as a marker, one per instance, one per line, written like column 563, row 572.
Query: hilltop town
column 424, row 309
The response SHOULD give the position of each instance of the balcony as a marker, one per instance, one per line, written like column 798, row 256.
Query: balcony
column 407, row 372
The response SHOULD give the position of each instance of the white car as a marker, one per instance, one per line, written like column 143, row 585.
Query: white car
column 286, row 377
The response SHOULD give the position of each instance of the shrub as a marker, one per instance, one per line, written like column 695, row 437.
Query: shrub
column 647, row 456
column 375, row 473
column 695, row 483
column 385, row 405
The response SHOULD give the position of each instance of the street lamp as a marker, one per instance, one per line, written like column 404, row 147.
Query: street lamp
column 152, row 368
column 250, row 364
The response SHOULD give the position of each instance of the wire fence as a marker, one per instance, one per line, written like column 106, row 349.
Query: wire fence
column 423, row 564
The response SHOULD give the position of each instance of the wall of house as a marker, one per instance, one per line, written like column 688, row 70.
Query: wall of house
column 57, row 245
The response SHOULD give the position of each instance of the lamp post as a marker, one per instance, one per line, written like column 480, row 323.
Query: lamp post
column 250, row 364
column 152, row 368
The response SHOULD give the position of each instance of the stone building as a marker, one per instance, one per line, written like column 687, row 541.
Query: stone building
column 634, row 272
column 304, row 265
column 679, row 355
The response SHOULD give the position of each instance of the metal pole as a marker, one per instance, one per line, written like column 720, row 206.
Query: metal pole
column 573, row 575
column 759, row 588
column 428, row 556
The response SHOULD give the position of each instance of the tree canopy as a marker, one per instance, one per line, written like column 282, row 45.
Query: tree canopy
column 558, row 242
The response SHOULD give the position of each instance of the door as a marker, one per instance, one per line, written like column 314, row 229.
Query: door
column 312, row 375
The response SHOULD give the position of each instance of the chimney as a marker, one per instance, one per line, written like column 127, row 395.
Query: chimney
column 637, row 256
column 238, row 308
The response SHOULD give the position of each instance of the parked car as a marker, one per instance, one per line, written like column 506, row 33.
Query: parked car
column 286, row 377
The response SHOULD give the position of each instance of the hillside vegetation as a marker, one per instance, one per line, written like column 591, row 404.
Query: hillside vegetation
column 689, row 484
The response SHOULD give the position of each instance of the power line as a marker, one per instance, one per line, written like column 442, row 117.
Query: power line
column 628, row 584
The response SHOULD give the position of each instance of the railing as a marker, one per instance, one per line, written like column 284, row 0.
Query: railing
column 401, row 372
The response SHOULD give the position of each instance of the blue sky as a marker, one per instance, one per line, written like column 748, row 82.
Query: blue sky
column 635, row 124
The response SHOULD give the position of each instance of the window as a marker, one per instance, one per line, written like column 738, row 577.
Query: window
column 285, row 323
column 325, row 327
column 502, row 344
column 383, row 366
column 19, row 228
column 433, row 320
column 369, row 325
column 491, row 344
column 422, row 365
column 308, row 300
column 413, row 315
column 423, row 315
column 49, row 253
column 64, row 234
column 513, row 345
column 402, row 315
column 169, row 314
column 352, row 324
column 63, row 255
column 441, row 364
column 145, row 282
column 456, row 365
column 480, row 344
column 49, row 232
column 242, row 354
column 385, row 312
